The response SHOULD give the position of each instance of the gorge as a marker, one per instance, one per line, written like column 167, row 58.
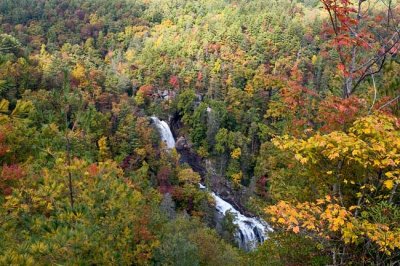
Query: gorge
column 250, row 230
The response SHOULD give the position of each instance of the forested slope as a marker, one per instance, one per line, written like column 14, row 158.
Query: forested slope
column 290, row 109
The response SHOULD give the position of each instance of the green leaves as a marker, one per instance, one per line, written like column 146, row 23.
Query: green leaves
column 8, row 44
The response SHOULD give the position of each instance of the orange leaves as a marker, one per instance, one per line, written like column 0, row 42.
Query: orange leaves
column 296, row 229
column 336, row 217
column 93, row 169
column 291, row 217
column 146, row 90
column 342, row 68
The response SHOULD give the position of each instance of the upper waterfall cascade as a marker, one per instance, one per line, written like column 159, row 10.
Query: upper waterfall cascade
column 251, row 231
column 165, row 132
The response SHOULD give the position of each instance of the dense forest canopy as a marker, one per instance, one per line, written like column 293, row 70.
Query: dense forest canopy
column 289, row 110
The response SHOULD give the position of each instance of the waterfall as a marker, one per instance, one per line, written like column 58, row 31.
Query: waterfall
column 165, row 132
column 251, row 231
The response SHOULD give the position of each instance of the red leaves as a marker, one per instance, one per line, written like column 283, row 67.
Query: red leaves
column 335, row 112
column 174, row 81
column 12, row 172
column 343, row 40
column 146, row 90
column 358, row 37
column 343, row 71
column 3, row 146
column 9, row 174
column 261, row 186
column 342, row 68
column 199, row 76
column 163, row 176
column 93, row 170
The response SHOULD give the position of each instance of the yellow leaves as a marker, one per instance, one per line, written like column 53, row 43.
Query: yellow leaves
column 249, row 89
column 335, row 216
column 353, row 208
column 333, row 219
column 281, row 220
column 38, row 247
column 314, row 59
column 349, row 235
column 217, row 67
column 367, row 160
column 4, row 106
column 389, row 174
column 393, row 177
column 202, row 151
column 367, row 131
column 388, row 184
column 130, row 55
column 167, row 23
column 103, row 149
column 93, row 18
column 236, row 153
column 371, row 142
column 320, row 201
column 14, row 257
column 21, row 110
column 386, row 239
column 188, row 176
column 322, row 217
column 328, row 198
column 237, row 178
column 141, row 152
column 3, row 110
column 78, row 72
column 139, row 98
column 333, row 156
column 293, row 217
column 300, row 158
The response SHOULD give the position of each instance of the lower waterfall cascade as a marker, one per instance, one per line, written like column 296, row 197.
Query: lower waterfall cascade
column 251, row 231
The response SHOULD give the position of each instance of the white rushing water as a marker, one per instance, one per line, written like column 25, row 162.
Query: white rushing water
column 251, row 231
column 165, row 132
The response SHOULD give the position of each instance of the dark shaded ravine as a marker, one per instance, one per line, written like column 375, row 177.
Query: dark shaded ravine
column 205, row 168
